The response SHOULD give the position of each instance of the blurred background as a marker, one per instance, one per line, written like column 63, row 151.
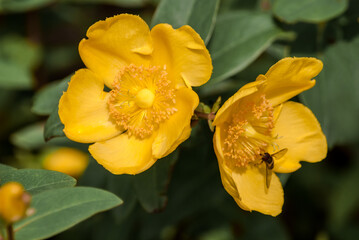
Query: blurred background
column 182, row 196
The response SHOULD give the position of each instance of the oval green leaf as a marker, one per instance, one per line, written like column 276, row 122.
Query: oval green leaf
column 308, row 10
column 47, row 99
column 151, row 185
column 122, row 186
column 53, row 126
column 336, row 87
column 37, row 180
column 14, row 76
column 18, row 57
column 238, row 39
column 5, row 168
column 30, row 137
column 120, row 3
column 59, row 209
column 22, row 6
column 199, row 14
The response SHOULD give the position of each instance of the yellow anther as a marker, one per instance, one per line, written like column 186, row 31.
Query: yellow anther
column 144, row 98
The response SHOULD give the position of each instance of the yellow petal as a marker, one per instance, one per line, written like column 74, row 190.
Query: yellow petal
column 217, row 143
column 83, row 109
column 224, row 112
column 186, row 133
column 184, row 54
column 171, row 130
column 300, row 132
column 289, row 77
column 253, row 195
column 248, row 187
column 124, row 154
column 226, row 173
column 116, row 42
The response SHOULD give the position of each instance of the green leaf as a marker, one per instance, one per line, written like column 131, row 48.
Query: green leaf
column 18, row 57
column 22, row 5
column 53, row 126
column 231, row 85
column 38, row 180
column 4, row 169
column 344, row 199
column 20, row 50
column 121, row 3
column 220, row 233
column 238, row 39
column 59, row 209
column 30, row 137
column 336, row 87
column 199, row 14
column 14, row 76
column 308, row 10
column 47, row 99
column 151, row 185
column 123, row 187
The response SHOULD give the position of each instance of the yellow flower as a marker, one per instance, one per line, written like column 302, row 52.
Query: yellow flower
column 258, row 120
column 14, row 202
column 66, row 160
column 147, row 112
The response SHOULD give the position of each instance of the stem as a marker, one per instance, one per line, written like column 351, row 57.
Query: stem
column 208, row 116
column 10, row 232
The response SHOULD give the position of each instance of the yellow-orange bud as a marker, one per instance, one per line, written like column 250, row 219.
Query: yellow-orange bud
column 67, row 160
column 14, row 202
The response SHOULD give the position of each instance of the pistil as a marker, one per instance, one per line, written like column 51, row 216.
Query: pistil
column 144, row 98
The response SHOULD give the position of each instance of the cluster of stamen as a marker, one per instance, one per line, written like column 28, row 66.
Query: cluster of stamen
column 248, row 133
column 141, row 99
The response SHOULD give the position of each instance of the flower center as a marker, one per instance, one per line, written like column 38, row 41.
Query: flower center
column 144, row 98
column 249, row 133
column 141, row 99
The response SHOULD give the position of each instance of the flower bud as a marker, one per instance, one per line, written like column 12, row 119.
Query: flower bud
column 67, row 160
column 14, row 202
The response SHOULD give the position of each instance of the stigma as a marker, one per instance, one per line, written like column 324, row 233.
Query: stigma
column 144, row 98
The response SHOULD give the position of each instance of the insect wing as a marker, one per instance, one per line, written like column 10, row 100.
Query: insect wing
column 280, row 153
column 268, row 176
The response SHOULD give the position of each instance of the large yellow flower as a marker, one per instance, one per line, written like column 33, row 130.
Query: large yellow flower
column 147, row 112
column 258, row 120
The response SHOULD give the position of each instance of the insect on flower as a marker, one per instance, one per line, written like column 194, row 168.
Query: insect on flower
column 269, row 161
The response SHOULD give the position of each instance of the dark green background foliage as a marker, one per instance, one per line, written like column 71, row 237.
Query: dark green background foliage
column 181, row 196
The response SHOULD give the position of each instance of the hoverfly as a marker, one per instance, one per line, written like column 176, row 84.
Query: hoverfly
column 268, row 159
